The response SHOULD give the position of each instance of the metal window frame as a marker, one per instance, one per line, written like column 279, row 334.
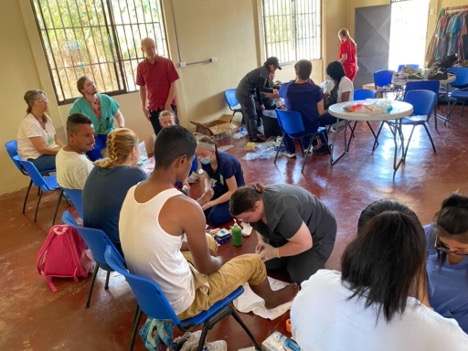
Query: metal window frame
column 285, row 57
column 121, row 69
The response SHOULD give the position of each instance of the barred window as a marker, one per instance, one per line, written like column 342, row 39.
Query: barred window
column 292, row 29
column 97, row 38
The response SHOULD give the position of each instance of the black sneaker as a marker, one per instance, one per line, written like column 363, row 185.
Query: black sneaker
column 323, row 150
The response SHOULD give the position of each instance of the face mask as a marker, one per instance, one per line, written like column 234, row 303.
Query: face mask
column 206, row 160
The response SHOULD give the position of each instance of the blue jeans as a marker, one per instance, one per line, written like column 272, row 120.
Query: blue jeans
column 218, row 214
column 44, row 163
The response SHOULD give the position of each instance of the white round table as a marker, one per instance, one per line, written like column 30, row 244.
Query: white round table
column 399, row 110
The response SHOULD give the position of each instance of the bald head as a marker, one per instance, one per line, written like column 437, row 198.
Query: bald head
column 148, row 47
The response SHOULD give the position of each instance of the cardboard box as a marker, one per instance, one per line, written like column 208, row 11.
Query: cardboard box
column 220, row 128
column 370, row 86
column 278, row 342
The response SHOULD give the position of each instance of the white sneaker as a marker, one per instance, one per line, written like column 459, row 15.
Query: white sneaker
column 338, row 126
column 219, row 345
column 289, row 154
column 192, row 341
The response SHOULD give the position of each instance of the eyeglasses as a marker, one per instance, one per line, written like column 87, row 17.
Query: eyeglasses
column 440, row 246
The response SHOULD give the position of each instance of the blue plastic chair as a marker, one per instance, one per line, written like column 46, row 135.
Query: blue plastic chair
column 12, row 150
column 74, row 195
column 97, row 242
column 460, row 93
column 423, row 102
column 232, row 102
column 152, row 301
column 361, row 94
column 292, row 124
column 432, row 85
column 44, row 183
column 412, row 65
column 382, row 80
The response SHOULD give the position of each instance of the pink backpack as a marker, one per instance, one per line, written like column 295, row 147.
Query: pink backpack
column 64, row 255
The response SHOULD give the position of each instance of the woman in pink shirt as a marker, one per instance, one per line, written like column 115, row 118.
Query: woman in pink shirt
column 348, row 53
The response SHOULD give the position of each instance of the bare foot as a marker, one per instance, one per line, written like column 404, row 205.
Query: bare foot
column 281, row 296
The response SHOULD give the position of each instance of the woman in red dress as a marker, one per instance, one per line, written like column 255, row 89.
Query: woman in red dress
column 348, row 53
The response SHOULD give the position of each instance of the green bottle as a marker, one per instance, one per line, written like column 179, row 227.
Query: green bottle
column 236, row 234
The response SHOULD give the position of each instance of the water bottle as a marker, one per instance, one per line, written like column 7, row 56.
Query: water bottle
column 236, row 234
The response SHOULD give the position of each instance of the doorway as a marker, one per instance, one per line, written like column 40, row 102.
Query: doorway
column 408, row 29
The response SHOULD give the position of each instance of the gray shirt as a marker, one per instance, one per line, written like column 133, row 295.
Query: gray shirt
column 254, row 82
column 286, row 207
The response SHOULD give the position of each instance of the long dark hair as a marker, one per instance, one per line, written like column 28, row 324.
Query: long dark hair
column 452, row 218
column 386, row 260
column 244, row 198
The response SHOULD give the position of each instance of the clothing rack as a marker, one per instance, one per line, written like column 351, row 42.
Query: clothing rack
column 455, row 9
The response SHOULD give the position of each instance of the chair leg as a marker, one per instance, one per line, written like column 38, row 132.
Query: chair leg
column 408, row 143
column 37, row 206
column 353, row 128
column 91, row 286
column 136, row 321
column 249, row 333
column 376, row 141
column 306, row 153
column 27, row 194
column 106, row 286
column 57, row 207
column 450, row 110
column 430, row 137
column 204, row 333
column 279, row 148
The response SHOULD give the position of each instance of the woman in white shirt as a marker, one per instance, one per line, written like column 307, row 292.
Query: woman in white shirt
column 338, row 88
column 375, row 303
column 37, row 140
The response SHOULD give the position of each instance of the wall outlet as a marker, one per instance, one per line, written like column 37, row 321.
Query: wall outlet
column 182, row 64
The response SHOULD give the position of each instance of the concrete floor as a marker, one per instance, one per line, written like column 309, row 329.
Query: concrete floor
column 33, row 318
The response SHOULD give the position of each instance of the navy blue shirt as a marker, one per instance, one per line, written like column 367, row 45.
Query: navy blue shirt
column 303, row 98
column 228, row 166
column 103, row 195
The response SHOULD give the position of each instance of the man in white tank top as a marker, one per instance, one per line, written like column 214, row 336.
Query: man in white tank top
column 154, row 220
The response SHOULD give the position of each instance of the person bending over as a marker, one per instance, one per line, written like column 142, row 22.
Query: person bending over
column 296, row 231
column 154, row 220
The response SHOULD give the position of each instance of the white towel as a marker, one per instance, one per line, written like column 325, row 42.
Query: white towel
column 251, row 302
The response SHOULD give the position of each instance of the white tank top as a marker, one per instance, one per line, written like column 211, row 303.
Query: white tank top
column 152, row 253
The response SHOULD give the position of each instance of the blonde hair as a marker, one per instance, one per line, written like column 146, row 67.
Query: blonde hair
column 120, row 143
column 345, row 34
column 206, row 140
column 166, row 113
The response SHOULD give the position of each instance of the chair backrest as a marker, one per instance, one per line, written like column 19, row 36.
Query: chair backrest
column 96, row 239
column 149, row 296
column 423, row 101
column 432, row 85
column 74, row 195
column 412, row 65
column 290, row 121
column 362, row 94
column 12, row 150
column 231, row 99
column 383, row 77
column 461, row 79
column 33, row 172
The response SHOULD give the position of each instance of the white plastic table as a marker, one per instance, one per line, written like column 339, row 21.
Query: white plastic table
column 399, row 110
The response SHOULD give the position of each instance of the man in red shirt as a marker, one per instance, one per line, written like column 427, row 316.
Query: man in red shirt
column 156, row 76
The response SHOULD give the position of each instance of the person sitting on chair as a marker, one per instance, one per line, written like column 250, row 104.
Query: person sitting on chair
column 73, row 167
column 37, row 140
column 154, row 220
column 109, row 181
column 303, row 96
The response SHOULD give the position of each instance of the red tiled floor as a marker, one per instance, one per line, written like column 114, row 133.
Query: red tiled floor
column 33, row 318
